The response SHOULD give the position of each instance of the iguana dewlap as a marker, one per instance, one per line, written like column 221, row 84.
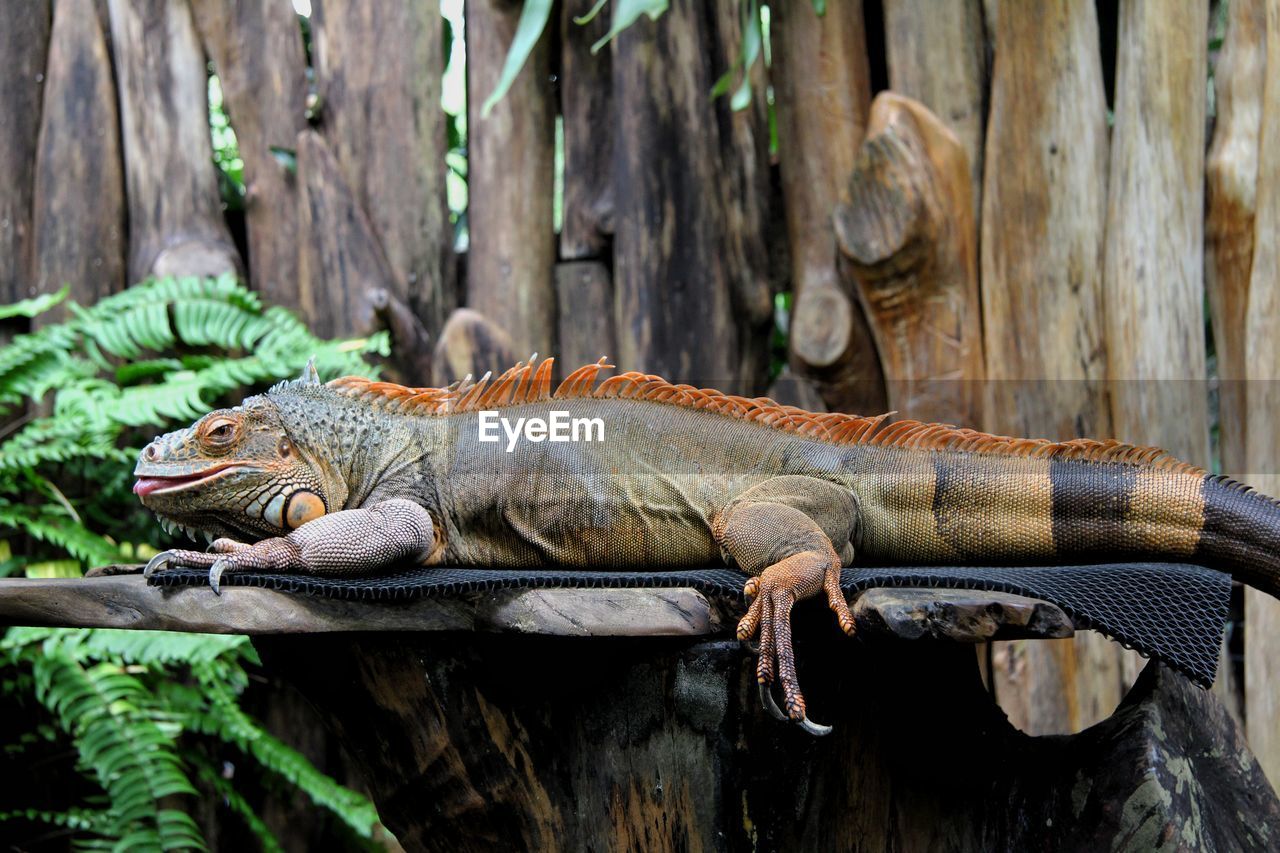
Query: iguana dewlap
column 357, row 476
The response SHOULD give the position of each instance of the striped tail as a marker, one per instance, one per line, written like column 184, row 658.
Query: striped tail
column 1240, row 533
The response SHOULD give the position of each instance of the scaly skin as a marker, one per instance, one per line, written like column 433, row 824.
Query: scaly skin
column 357, row 477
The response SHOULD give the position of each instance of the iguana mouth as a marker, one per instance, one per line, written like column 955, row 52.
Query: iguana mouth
column 156, row 484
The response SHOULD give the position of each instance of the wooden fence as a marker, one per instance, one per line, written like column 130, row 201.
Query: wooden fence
column 1023, row 243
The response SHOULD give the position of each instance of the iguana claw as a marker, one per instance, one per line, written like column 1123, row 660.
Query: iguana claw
column 766, row 699
column 815, row 729
column 215, row 575
column 158, row 563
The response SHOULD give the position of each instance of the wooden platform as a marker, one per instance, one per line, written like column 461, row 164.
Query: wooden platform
column 629, row 719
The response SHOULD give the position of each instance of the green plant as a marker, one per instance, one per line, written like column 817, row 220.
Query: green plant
column 143, row 711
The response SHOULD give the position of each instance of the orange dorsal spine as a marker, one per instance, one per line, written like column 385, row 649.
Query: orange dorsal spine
column 528, row 382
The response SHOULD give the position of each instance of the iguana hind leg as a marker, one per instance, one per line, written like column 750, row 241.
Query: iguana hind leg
column 783, row 532
column 353, row 541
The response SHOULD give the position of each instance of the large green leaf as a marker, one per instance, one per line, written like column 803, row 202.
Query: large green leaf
column 626, row 13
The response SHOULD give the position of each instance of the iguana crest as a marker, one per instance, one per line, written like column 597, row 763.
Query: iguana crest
column 526, row 383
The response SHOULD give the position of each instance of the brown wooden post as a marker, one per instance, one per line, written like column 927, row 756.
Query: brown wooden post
column 79, row 218
column 692, row 210
column 257, row 51
column 1043, row 218
column 175, row 212
column 937, row 55
column 510, row 177
column 378, row 66
column 822, row 94
column 24, row 42
column 909, row 237
column 1230, row 193
column 1153, row 282
column 340, row 259
column 1262, row 363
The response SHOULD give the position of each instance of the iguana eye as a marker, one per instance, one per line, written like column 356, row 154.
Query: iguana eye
column 219, row 432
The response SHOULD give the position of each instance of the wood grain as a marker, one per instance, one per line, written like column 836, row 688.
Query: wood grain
column 936, row 54
column 1231, row 173
column 126, row 601
column 1043, row 227
column 692, row 204
column 340, row 259
column 586, row 104
column 257, row 51
column 24, row 43
column 78, row 157
column 1154, row 266
column 175, row 212
column 907, row 234
column 511, row 154
column 1262, row 367
column 584, row 291
column 823, row 95
column 378, row 69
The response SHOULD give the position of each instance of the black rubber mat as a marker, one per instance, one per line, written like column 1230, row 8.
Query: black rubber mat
column 1169, row 611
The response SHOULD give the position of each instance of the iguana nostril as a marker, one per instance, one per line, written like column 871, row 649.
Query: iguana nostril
column 150, row 452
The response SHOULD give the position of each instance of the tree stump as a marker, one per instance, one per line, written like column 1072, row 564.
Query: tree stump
column 555, row 719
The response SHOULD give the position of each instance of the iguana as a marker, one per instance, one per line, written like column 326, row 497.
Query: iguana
column 358, row 476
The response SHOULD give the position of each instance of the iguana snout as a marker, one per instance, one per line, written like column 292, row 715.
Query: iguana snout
column 233, row 472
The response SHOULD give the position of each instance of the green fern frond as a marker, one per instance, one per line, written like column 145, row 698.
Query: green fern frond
column 57, row 528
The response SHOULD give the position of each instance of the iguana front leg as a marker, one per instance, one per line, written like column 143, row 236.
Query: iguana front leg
column 353, row 541
column 783, row 532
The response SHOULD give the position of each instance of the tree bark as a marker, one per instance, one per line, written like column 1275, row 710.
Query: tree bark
column 822, row 94
column 937, row 55
column 257, row 51
column 24, row 43
column 510, row 176
column 378, row 66
column 691, row 184
column 79, row 218
column 1043, row 217
column 589, row 123
column 909, row 236
column 175, row 212
column 1262, row 363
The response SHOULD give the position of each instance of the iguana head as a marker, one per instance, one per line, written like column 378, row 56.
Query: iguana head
column 235, row 472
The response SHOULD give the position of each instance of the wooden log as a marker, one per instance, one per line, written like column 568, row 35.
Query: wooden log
column 1231, row 173
column 340, row 259
column 383, row 121
column 960, row 616
column 79, row 213
column 822, row 94
column 1043, row 218
column 692, row 217
column 1154, row 298
column 475, row 741
column 586, row 103
column 470, row 344
column 510, row 176
column 126, row 601
column 584, row 292
column 936, row 54
column 1262, row 365
column 257, row 51
column 908, row 235
column 175, row 212
column 24, row 43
